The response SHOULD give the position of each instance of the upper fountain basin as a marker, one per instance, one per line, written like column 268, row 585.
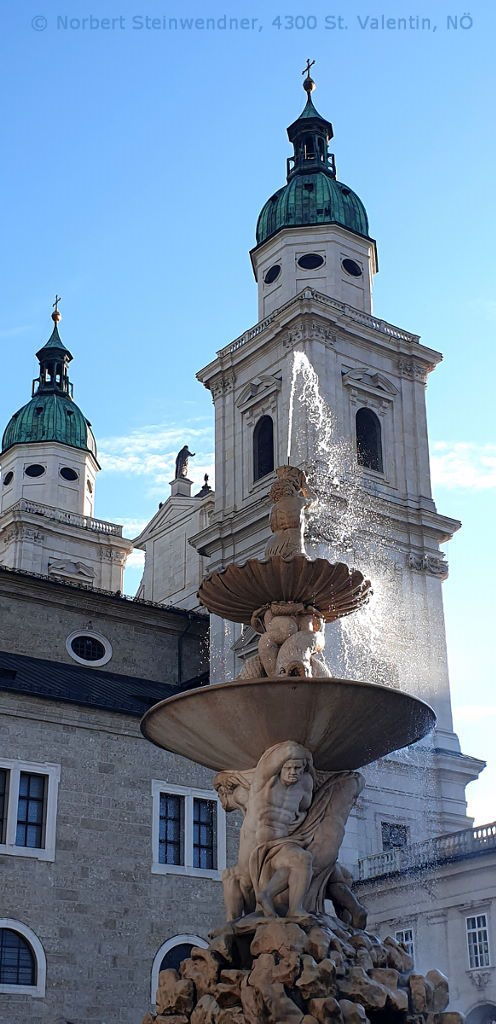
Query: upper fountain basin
column 334, row 590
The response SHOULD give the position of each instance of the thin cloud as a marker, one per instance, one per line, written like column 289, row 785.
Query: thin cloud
column 463, row 465
column 151, row 452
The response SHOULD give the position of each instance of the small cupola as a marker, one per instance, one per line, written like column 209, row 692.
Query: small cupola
column 54, row 359
column 310, row 135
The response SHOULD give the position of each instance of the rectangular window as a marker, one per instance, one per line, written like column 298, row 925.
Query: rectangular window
column 189, row 832
column 405, row 936
column 478, row 941
column 28, row 808
column 31, row 810
column 171, row 837
column 204, row 837
column 3, row 803
column 394, row 835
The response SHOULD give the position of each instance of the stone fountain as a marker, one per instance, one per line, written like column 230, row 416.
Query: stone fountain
column 286, row 739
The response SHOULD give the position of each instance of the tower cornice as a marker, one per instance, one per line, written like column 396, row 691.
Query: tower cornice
column 414, row 359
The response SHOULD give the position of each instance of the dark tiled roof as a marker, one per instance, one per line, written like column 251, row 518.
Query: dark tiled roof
column 52, row 680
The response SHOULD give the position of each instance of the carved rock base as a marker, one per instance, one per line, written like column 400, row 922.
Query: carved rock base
column 314, row 971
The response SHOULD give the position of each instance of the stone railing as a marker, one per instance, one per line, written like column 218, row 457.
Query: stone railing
column 341, row 307
column 442, row 849
column 35, row 508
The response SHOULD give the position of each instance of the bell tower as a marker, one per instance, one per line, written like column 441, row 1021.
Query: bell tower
column 314, row 261
column 47, row 487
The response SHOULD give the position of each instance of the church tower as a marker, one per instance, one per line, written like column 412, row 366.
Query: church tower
column 314, row 263
column 47, row 488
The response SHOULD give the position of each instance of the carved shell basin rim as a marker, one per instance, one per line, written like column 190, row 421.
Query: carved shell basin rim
column 345, row 723
column 334, row 590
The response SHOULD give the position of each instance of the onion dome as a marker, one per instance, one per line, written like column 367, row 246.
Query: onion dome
column 51, row 414
column 312, row 195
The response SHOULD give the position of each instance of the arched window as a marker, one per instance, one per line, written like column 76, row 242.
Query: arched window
column 170, row 955
column 263, row 447
column 22, row 960
column 368, row 439
column 483, row 1013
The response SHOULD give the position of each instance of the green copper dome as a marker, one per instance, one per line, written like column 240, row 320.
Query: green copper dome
column 50, row 418
column 51, row 414
column 312, row 194
column 312, row 199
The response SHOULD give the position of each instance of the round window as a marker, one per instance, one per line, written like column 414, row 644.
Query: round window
column 8, row 478
column 68, row 473
column 310, row 261
column 272, row 274
column 34, row 470
column 88, row 648
column 351, row 267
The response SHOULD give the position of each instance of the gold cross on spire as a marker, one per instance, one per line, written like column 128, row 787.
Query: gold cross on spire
column 310, row 64
column 56, row 315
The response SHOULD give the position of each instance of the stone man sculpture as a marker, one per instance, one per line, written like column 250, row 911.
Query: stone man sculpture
column 291, row 834
column 182, row 462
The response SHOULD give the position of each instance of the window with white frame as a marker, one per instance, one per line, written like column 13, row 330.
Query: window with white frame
column 394, row 834
column 189, row 831
column 405, row 936
column 22, row 960
column 28, row 808
column 478, row 941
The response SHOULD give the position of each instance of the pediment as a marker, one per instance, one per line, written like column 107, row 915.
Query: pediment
column 172, row 511
column 71, row 570
column 257, row 389
column 370, row 380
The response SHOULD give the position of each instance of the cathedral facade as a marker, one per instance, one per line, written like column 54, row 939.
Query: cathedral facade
column 113, row 850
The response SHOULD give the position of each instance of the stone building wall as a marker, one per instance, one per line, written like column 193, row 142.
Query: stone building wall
column 144, row 638
column 98, row 910
column 435, row 903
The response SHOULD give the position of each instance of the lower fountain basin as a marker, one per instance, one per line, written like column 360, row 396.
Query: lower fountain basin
column 345, row 723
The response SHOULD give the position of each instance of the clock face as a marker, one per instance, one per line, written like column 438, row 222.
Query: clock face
column 310, row 261
column 351, row 267
column 272, row 274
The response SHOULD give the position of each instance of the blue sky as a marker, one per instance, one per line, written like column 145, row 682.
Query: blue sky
column 135, row 163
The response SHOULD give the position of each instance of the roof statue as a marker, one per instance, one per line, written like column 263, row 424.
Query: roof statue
column 182, row 463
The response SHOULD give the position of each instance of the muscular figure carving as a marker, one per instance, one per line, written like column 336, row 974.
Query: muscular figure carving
column 290, row 835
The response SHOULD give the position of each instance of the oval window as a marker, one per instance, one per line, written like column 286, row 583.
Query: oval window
column 89, row 486
column 68, row 473
column 88, row 647
column 351, row 267
column 310, row 261
column 34, row 470
column 272, row 274
column 8, row 478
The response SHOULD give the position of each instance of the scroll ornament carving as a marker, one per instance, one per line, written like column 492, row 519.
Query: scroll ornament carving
column 308, row 330
column 429, row 564
column 223, row 384
column 413, row 369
